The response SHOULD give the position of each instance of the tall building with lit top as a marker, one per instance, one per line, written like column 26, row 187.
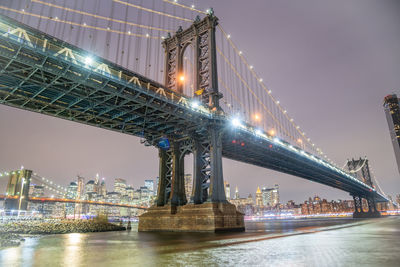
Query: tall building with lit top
column 188, row 186
column 237, row 196
column 392, row 111
column 227, row 190
column 259, row 201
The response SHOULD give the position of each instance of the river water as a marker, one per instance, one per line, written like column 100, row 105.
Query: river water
column 305, row 242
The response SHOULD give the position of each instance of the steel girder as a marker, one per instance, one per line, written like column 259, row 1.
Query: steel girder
column 270, row 155
column 167, row 115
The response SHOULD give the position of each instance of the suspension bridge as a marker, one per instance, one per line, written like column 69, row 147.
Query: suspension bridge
column 150, row 70
column 18, row 196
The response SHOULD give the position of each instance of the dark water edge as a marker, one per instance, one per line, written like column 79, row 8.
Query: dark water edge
column 300, row 242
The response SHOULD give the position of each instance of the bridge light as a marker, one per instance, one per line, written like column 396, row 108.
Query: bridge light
column 182, row 78
column 193, row 6
column 195, row 104
column 228, row 36
column 272, row 132
column 88, row 61
column 276, row 140
column 258, row 132
column 251, row 67
column 240, row 52
column 236, row 122
column 257, row 117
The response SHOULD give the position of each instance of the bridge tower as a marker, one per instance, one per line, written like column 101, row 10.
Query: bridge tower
column 17, row 191
column 361, row 168
column 207, row 209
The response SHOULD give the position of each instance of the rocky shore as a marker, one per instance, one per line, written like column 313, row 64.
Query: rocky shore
column 11, row 232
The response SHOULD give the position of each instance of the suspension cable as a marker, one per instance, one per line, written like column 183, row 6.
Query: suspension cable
column 152, row 11
column 84, row 25
column 100, row 17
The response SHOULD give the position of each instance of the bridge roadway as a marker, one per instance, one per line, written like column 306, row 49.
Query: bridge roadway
column 43, row 74
column 76, row 201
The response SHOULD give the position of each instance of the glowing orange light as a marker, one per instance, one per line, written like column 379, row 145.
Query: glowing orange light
column 182, row 78
column 299, row 141
column 272, row 132
column 257, row 117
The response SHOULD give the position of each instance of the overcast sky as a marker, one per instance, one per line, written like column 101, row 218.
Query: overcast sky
column 330, row 63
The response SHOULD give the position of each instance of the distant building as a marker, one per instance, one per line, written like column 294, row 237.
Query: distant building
column 103, row 189
column 113, row 197
column 144, row 193
column 236, row 193
column 38, row 191
column 188, row 186
column 156, row 185
column 270, row 196
column 227, row 190
column 81, row 187
column 72, row 191
column 130, row 192
column 392, row 110
column 120, row 186
column 150, row 185
column 259, row 202
column 90, row 187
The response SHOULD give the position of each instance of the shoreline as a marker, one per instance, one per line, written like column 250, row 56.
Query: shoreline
column 14, row 232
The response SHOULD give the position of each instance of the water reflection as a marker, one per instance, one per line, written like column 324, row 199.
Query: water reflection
column 73, row 248
column 271, row 243
column 11, row 257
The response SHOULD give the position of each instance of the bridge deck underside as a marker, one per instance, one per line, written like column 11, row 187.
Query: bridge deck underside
column 270, row 155
column 40, row 81
column 35, row 80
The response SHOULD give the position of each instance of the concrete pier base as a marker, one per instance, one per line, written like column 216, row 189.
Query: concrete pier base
column 206, row 217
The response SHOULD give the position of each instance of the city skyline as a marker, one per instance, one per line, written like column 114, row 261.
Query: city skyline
column 295, row 74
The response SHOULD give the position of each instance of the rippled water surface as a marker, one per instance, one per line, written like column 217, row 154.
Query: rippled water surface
column 307, row 242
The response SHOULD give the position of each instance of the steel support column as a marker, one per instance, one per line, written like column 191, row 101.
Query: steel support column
column 357, row 204
column 178, row 196
column 216, row 190
column 165, row 174
column 197, row 192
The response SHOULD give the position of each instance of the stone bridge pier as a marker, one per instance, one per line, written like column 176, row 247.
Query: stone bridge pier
column 207, row 209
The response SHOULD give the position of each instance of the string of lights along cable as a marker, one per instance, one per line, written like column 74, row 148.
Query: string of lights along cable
column 134, row 41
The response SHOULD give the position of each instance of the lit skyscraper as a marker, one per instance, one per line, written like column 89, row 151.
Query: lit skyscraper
column 81, row 187
column 72, row 191
column 270, row 196
column 188, row 186
column 38, row 191
column 392, row 110
column 120, row 186
column 103, row 189
column 259, row 201
column 150, row 185
column 237, row 196
column 227, row 190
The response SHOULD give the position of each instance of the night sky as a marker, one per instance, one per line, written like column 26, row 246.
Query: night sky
column 330, row 63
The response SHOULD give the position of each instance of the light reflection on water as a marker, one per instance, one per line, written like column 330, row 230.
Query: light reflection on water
column 326, row 242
